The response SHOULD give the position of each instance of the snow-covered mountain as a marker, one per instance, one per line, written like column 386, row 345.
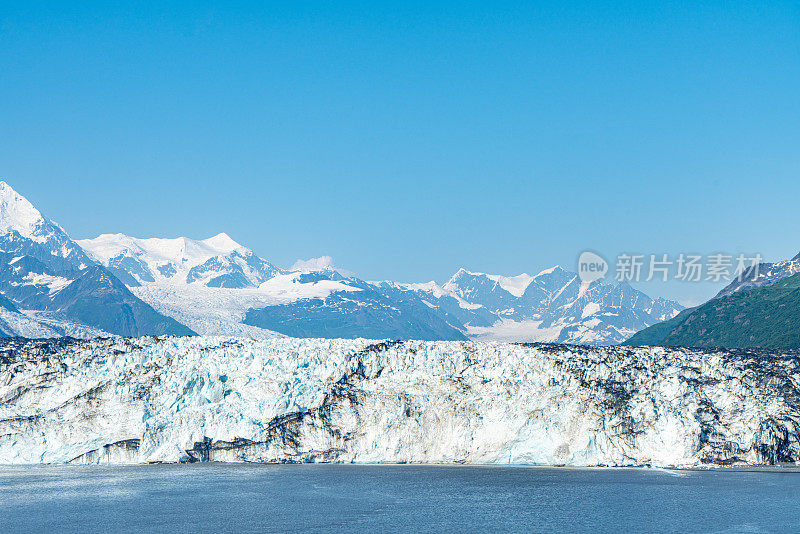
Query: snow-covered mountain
column 217, row 286
column 759, row 308
column 556, row 306
column 51, row 287
column 295, row 400
column 765, row 274
column 214, row 262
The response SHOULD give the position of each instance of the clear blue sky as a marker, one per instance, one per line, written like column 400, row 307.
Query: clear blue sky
column 408, row 141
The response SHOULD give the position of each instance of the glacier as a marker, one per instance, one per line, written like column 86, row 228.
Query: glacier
column 173, row 399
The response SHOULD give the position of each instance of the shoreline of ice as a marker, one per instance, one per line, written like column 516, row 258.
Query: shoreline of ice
column 394, row 403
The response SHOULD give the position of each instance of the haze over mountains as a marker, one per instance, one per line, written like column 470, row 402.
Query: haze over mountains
column 122, row 285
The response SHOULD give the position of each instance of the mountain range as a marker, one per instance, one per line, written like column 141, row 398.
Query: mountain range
column 760, row 308
column 216, row 286
column 51, row 287
column 115, row 284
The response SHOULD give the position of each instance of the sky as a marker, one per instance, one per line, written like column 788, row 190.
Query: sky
column 408, row 141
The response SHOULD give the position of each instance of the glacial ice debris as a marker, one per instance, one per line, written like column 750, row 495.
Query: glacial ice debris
column 310, row 400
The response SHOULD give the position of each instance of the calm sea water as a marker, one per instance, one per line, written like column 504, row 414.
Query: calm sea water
column 340, row 498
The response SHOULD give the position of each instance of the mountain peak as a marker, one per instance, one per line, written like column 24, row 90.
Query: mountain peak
column 551, row 270
column 515, row 285
column 17, row 213
column 452, row 283
column 223, row 243
column 179, row 250
column 466, row 272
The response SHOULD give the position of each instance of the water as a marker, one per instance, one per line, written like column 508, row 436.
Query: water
column 340, row 498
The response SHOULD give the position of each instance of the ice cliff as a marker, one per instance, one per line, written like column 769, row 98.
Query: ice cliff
column 304, row 400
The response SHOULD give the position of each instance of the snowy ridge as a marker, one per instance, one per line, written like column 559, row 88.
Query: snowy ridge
column 227, row 290
column 49, row 286
column 17, row 214
column 766, row 274
column 291, row 400
column 218, row 261
column 23, row 228
column 555, row 306
column 180, row 251
column 434, row 289
column 515, row 285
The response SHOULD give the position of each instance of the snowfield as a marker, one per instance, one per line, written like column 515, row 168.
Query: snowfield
column 221, row 310
column 307, row 400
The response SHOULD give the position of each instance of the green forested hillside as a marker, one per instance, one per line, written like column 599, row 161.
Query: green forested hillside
column 767, row 317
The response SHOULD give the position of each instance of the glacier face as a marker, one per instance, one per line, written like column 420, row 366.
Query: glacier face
column 299, row 400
